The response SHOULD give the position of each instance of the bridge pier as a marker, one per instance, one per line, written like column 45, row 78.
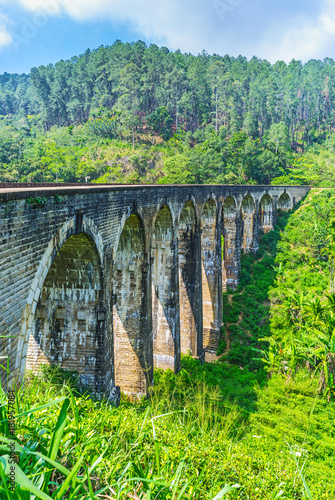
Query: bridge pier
column 232, row 244
column 165, row 306
column 266, row 213
column 132, row 330
column 248, row 224
column 189, row 281
column 211, row 276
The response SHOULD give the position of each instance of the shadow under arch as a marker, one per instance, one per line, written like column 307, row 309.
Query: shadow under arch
column 165, row 314
column 211, row 276
column 248, row 209
column 189, row 289
column 284, row 202
column 67, row 330
column 266, row 213
column 75, row 225
column 231, row 250
column 132, row 330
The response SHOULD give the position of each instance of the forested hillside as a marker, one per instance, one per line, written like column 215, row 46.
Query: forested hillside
column 132, row 113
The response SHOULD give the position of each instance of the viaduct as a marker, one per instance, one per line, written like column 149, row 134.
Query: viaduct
column 114, row 280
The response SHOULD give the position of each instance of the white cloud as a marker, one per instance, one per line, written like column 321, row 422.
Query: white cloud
column 250, row 27
column 313, row 39
column 178, row 24
column 5, row 37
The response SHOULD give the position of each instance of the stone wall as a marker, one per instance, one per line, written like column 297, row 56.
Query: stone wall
column 114, row 280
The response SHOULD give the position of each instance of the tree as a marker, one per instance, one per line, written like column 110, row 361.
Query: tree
column 128, row 102
column 161, row 121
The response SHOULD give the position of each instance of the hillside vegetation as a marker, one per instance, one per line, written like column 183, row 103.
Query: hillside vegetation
column 257, row 424
column 132, row 113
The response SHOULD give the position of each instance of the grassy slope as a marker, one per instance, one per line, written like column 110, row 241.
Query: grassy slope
column 247, row 310
column 218, row 437
column 305, row 266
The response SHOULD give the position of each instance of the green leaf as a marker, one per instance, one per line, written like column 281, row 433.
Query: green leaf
column 4, row 481
column 309, row 495
column 59, row 430
column 69, row 479
column 56, row 401
column 56, row 438
column 22, row 480
column 225, row 490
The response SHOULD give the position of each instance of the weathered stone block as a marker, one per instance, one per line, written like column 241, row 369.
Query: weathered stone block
column 60, row 313
column 81, row 315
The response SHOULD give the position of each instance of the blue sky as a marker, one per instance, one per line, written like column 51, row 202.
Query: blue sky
column 35, row 32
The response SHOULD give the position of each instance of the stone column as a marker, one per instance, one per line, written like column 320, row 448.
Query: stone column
column 274, row 210
column 255, row 238
column 232, row 244
column 211, row 276
column 189, row 282
column 247, row 225
column 266, row 213
column 132, row 325
column 164, row 310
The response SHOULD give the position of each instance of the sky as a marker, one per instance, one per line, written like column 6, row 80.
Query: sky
column 36, row 32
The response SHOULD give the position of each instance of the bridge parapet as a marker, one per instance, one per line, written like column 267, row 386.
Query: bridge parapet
column 112, row 280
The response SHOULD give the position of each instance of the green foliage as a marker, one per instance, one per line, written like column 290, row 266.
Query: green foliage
column 202, row 429
column 161, row 122
column 302, row 296
column 229, row 120
column 246, row 311
column 38, row 201
column 103, row 127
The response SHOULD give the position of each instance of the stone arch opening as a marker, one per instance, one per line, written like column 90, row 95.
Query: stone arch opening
column 284, row 202
column 188, row 281
column 231, row 250
column 164, row 296
column 210, row 271
column 68, row 326
column 248, row 223
column 266, row 213
column 131, row 312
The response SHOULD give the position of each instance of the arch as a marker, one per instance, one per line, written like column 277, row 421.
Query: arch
column 67, row 331
column 209, row 207
column 266, row 213
column 164, row 286
column 188, row 280
column 190, row 202
column 158, row 209
column 132, row 209
column 80, row 223
column 131, row 312
column 209, row 198
column 230, row 247
column 284, row 202
column 210, row 271
column 230, row 207
column 248, row 211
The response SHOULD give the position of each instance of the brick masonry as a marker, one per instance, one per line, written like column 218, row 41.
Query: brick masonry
column 114, row 280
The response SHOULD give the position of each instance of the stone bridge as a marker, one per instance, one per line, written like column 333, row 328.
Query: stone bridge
column 114, row 280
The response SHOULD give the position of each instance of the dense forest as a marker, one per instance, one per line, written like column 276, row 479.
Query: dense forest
column 132, row 113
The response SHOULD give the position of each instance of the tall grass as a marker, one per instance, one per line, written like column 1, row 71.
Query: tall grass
column 77, row 448
column 190, row 440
